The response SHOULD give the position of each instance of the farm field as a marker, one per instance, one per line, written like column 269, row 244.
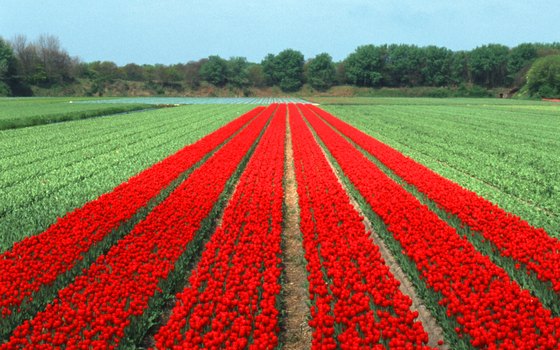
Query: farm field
column 47, row 171
column 407, row 101
column 508, row 153
column 195, row 100
column 369, row 223
column 25, row 111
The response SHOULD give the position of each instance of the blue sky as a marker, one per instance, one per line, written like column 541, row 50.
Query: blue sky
column 173, row 31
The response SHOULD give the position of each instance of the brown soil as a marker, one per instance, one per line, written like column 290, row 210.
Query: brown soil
column 296, row 333
column 434, row 331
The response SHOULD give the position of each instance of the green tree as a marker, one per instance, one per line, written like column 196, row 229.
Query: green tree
column 543, row 79
column 256, row 75
column 460, row 71
column 437, row 67
column 340, row 76
column 238, row 75
column 133, row 72
column 321, row 72
column 191, row 73
column 290, row 69
column 28, row 63
column 284, row 69
column 520, row 56
column 7, row 68
column 519, row 61
column 270, row 69
column 364, row 67
column 403, row 64
column 547, row 49
column 105, row 71
column 54, row 61
column 489, row 65
column 215, row 71
column 166, row 74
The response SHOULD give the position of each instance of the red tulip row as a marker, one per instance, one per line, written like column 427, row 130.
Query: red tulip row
column 533, row 248
column 491, row 309
column 356, row 300
column 95, row 309
column 37, row 261
column 231, row 298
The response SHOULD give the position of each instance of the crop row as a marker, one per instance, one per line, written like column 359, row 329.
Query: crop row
column 231, row 298
column 104, row 275
column 530, row 248
column 96, row 308
column 32, row 160
column 23, row 112
column 355, row 299
column 481, row 149
column 20, row 182
column 35, row 263
column 23, row 143
column 135, row 143
column 490, row 309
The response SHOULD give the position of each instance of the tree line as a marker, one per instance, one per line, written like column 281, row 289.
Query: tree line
column 44, row 63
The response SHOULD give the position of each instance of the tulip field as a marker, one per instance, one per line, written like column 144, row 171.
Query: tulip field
column 166, row 229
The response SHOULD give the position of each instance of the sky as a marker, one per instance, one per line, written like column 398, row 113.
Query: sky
column 178, row 31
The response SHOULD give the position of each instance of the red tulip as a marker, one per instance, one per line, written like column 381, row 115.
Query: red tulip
column 130, row 272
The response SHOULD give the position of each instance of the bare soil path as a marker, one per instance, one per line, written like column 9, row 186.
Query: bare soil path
column 296, row 333
column 429, row 322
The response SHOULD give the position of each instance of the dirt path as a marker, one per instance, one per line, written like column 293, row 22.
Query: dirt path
column 296, row 333
column 434, row 331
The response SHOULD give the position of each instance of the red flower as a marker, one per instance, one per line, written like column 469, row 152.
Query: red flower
column 350, row 286
column 490, row 308
column 119, row 284
column 236, row 283
column 38, row 260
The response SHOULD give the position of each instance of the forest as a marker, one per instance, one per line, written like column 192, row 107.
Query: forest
column 41, row 66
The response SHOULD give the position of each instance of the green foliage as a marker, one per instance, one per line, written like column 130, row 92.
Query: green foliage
column 6, row 55
column 515, row 145
column 269, row 68
column 215, row 71
column 340, row 75
column 284, row 70
column 471, row 91
column 403, row 63
column 543, row 79
column 133, row 72
column 415, row 91
column 364, row 67
column 321, row 72
column 47, row 68
column 437, row 67
column 399, row 66
column 255, row 75
column 47, row 171
column 238, row 72
column 219, row 72
column 520, row 57
column 7, row 68
column 518, row 272
column 105, row 71
column 43, row 62
column 489, row 65
column 18, row 113
column 4, row 89
column 460, row 71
